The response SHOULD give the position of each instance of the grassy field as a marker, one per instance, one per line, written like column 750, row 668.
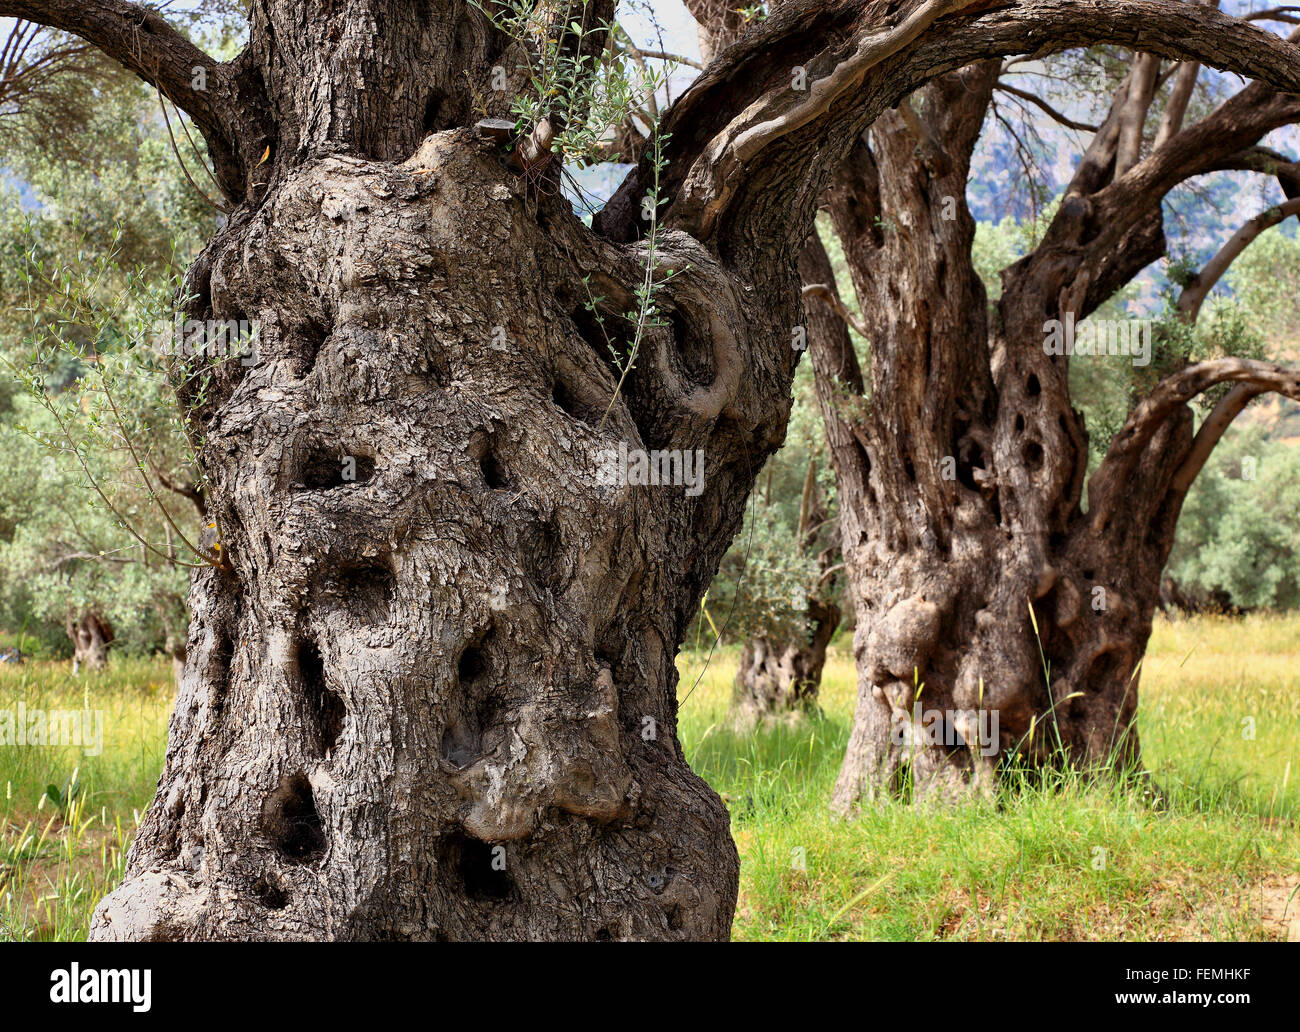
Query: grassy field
column 1219, row 721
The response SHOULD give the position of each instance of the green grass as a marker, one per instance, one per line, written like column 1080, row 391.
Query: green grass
column 66, row 817
column 1075, row 860
column 1071, row 861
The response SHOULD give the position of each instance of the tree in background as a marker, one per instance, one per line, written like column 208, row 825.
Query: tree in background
column 982, row 579
column 98, row 221
column 777, row 588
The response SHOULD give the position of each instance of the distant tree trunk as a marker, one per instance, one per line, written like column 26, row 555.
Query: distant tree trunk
column 174, row 636
column 783, row 676
column 91, row 635
column 775, row 680
column 175, row 648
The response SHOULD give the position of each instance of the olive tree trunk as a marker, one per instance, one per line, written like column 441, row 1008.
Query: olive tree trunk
column 429, row 689
column 774, row 680
column 91, row 636
column 1000, row 618
column 780, row 675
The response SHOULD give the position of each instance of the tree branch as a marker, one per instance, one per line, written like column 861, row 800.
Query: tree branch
column 1218, row 421
column 1194, row 294
column 832, row 299
column 136, row 37
column 1051, row 112
column 1106, row 488
column 1176, row 107
column 746, row 142
column 142, row 41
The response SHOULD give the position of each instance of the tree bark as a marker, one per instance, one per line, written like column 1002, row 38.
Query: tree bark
column 430, row 682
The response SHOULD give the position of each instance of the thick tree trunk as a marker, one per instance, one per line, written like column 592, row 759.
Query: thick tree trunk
column 430, row 685
column 91, row 636
column 774, row 680
column 999, row 621
column 436, row 700
column 959, row 484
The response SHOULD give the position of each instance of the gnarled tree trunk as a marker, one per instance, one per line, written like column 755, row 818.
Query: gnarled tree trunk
column 430, row 689
column 999, row 620
column 91, row 636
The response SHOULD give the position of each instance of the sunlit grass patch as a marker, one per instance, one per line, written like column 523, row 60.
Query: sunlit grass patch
column 1078, row 861
column 1074, row 861
column 68, row 812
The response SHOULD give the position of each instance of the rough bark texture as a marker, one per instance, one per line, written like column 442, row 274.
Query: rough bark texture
column 961, row 461
column 429, row 689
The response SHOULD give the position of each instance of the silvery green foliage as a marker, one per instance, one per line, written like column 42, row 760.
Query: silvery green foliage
column 1238, row 536
column 88, row 270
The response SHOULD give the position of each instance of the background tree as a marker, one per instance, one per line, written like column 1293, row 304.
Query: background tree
column 98, row 221
column 958, row 522
column 777, row 589
column 437, row 700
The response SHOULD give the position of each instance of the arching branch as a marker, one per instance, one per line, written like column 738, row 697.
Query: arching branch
column 747, row 143
column 831, row 298
column 142, row 41
column 1194, row 294
column 1170, row 395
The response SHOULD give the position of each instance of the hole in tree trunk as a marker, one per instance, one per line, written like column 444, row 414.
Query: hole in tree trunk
column 461, row 744
column 219, row 664
column 971, row 458
column 603, row 332
column 365, row 590
column 471, row 665
column 269, row 894
column 305, row 344
column 291, row 823
column 432, row 107
column 324, row 706
column 697, row 356
column 480, row 867
column 1104, row 671
column 568, row 402
column 494, row 473
column 1032, row 387
column 543, row 552
column 326, row 469
column 1033, row 456
column 469, row 731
